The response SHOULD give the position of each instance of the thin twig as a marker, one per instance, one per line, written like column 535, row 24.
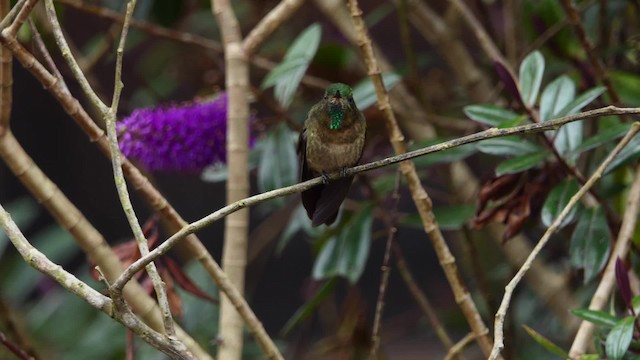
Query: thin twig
column 459, row 346
column 385, row 268
column 292, row 189
column 70, row 217
column 451, row 48
column 8, row 18
column 6, row 79
column 623, row 243
column 67, row 215
column 506, row 300
column 71, row 61
column 40, row 262
column 14, row 348
column 268, row 24
column 419, row 195
column 411, row 111
column 46, row 55
column 109, row 116
column 21, row 17
column 596, row 63
column 494, row 54
column 421, row 299
column 510, row 14
column 159, row 203
column 553, row 30
column 183, row 37
column 121, row 185
column 90, row 240
column 403, row 268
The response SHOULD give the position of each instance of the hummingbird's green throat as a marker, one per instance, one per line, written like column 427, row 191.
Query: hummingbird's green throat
column 336, row 112
column 338, row 95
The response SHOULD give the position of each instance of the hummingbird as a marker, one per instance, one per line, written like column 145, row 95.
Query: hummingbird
column 332, row 139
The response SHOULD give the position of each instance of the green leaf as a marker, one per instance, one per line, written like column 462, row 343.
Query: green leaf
column 599, row 318
column 508, row 145
column 453, row 217
column 568, row 138
column 557, row 200
column 214, row 173
column 287, row 75
column 590, row 357
column 628, row 86
column 531, row 71
column 307, row 309
column 54, row 242
column 346, row 254
column 581, row 101
column 619, row 338
column 590, row 243
column 546, row 343
column 556, row 96
column 603, row 136
column 278, row 164
column 488, row 114
column 364, row 94
column 630, row 152
column 296, row 223
column 635, row 303
column 520, row 163
column 282, row 70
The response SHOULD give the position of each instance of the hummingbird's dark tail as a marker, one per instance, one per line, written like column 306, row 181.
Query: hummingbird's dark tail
column 323, row 202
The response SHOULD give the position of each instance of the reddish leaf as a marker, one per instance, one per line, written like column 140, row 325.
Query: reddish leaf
column 184, row 282
column 128, row 251
column 512, row 199
column 175, row 303
column 622, row 278
column 509, row 81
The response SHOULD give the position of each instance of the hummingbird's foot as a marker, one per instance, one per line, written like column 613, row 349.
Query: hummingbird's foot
column 325, row 178
column 344, row 172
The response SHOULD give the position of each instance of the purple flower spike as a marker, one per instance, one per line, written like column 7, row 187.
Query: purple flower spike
column 185, row 138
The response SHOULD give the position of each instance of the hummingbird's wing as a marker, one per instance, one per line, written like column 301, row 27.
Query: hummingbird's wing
column 309, row 197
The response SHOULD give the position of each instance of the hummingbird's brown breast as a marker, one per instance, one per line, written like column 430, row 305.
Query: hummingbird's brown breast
column 331, row 150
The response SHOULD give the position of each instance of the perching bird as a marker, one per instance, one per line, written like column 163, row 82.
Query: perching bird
column 332, row 140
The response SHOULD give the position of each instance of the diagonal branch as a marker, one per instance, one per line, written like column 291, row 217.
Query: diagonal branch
column 40, row 262
column 269, row 24
column 596, row 63
column 109, row 115
column 419, row 195
column 21, row 16
column 292, row 189
column 509, row 289
column 623, row 243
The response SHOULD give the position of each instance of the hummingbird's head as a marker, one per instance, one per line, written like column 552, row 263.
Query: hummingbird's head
column 339, row 98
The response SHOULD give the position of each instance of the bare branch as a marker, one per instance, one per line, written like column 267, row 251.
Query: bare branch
column 506, row 300
column 269, row 24
column 40, row 262
column 419, row 195
column 623, row 243
column 259, row 198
